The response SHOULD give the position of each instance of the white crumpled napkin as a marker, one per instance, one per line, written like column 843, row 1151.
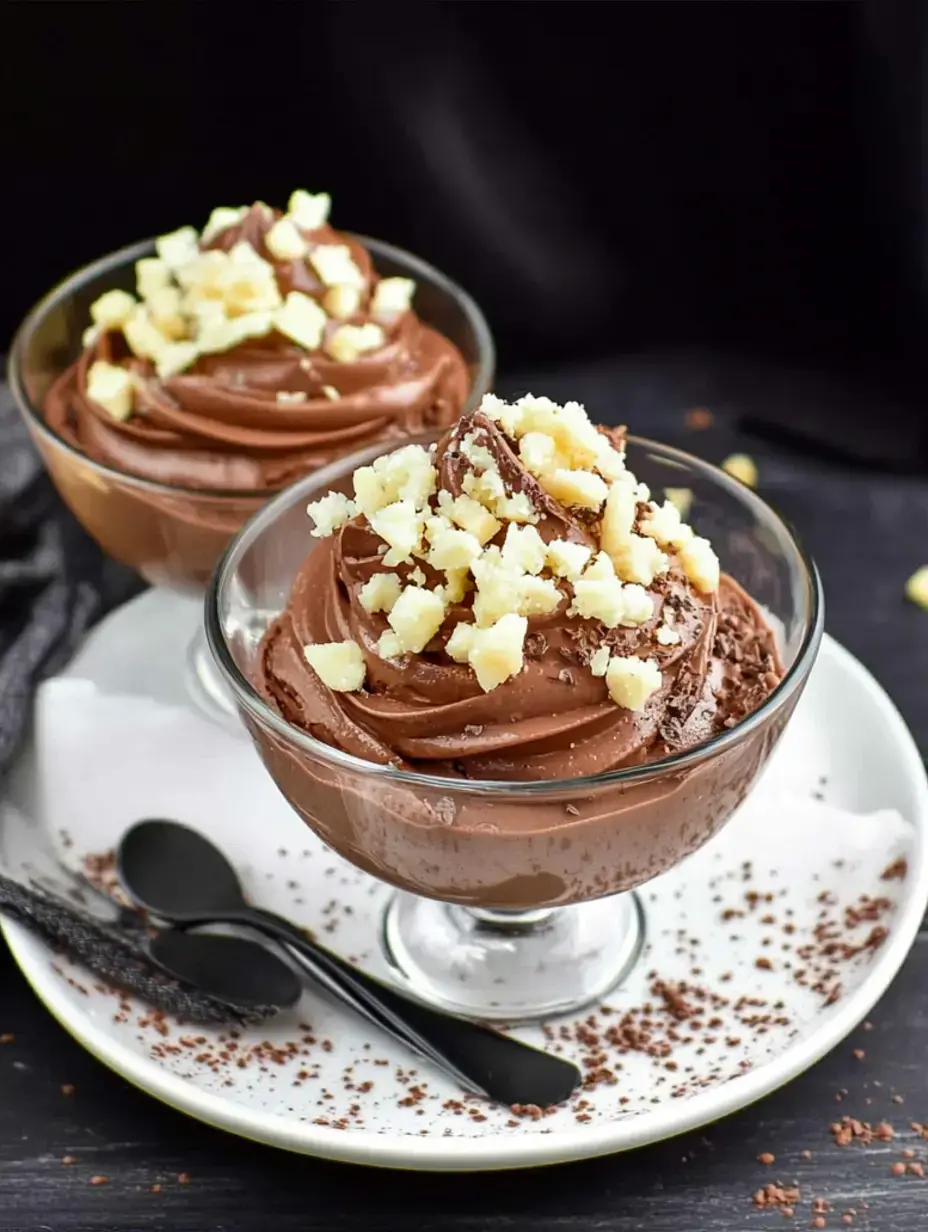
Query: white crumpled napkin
column 106, row 760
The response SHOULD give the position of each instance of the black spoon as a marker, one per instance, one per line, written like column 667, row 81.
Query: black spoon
column 178, row 875
column 234, row 969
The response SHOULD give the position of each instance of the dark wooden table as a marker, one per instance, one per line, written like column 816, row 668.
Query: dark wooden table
column 868, row 528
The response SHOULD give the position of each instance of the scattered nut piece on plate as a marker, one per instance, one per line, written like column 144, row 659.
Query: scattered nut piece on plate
column 916, row 588
column 741, row 466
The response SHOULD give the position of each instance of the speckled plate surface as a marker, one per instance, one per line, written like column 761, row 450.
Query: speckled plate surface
column 763, row 950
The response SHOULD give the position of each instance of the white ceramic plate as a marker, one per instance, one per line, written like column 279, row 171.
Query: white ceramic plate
column 845, row 797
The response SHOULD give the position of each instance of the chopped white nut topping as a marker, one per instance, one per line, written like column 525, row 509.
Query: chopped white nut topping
column 177, row 248
column 916, row 588
column 536, row 596
column 164, row 310
column 112, row 309
column 501, row 588
column 368, row 491
column 494, row 653
column 213, row 300
column 665, row 636
column 452, row 548
column 401, row 526
column 407, row 473
column 618, row 518
column 112, row 388
column 221, row 219
column 631, row 680
column 246, row 281
column 217, row 334
column 457, row 584
column 380, row 592
column 389, row 646
column 348, row 342
column 639, row 606
column 664, row 524
column 487, row 487
column 284, row 242
column 309, row 211
column 640, row 560
column 700, row 564
column 476, row 452
column 144, row 338
column 741, row 466
column 339, row 665
column 566, row 559
column 290, row 397
column 392, row 297
column 681, row 499
column 336, row 266
column 151, row 275
column 470, row 515
column 600, row 661
column 174, row 358
column 524, row 549
column 576, row 487
column 330, row 513
column 507, row 415
column 600, row 568
column 342, row 302
column 301, row 320
column 539, row 453
column 579, row 445
column 331, row 393
column 599, row 599
column 600, row 595
column 516, row 508
column 416, row 617
column 524, row 576
column 252, row 325
column 459, row 644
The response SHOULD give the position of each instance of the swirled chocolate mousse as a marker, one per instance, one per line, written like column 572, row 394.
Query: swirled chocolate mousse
column 253, row 353
column 512, row 604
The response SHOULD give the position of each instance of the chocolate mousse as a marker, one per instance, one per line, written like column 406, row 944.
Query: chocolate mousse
column 511, row 605
column 253, row 353
column 691, row 650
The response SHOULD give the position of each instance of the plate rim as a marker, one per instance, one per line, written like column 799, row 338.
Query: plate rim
column 488, row 1153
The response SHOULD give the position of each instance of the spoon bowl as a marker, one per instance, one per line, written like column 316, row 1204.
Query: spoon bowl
column 178, row 875
column 235, row 969
column 175, row 872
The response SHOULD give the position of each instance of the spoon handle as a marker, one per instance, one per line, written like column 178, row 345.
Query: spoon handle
column 481, row 1059
column 356, row 990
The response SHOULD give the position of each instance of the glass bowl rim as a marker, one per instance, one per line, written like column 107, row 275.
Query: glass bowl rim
column 248, row 696
column 132, row 252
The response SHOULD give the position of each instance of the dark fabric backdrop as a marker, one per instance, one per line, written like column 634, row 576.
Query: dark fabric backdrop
column 605, row 177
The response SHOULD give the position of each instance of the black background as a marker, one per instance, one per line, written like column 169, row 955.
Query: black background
column 657, row 205
column 605, row 177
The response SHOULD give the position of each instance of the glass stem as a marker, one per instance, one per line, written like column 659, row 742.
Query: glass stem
column 505, row 921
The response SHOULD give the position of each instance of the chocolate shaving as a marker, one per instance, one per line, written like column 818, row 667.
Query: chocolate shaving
column 555, row 520
column 536, row 645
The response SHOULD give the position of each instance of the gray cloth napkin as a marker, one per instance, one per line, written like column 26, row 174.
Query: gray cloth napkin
column 54, row 580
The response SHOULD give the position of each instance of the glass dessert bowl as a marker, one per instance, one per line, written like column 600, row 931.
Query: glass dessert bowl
column 198, row 425
column 517, row 792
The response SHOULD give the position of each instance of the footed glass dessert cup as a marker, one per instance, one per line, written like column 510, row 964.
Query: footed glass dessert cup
column 173, row 535
column 516, row 900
